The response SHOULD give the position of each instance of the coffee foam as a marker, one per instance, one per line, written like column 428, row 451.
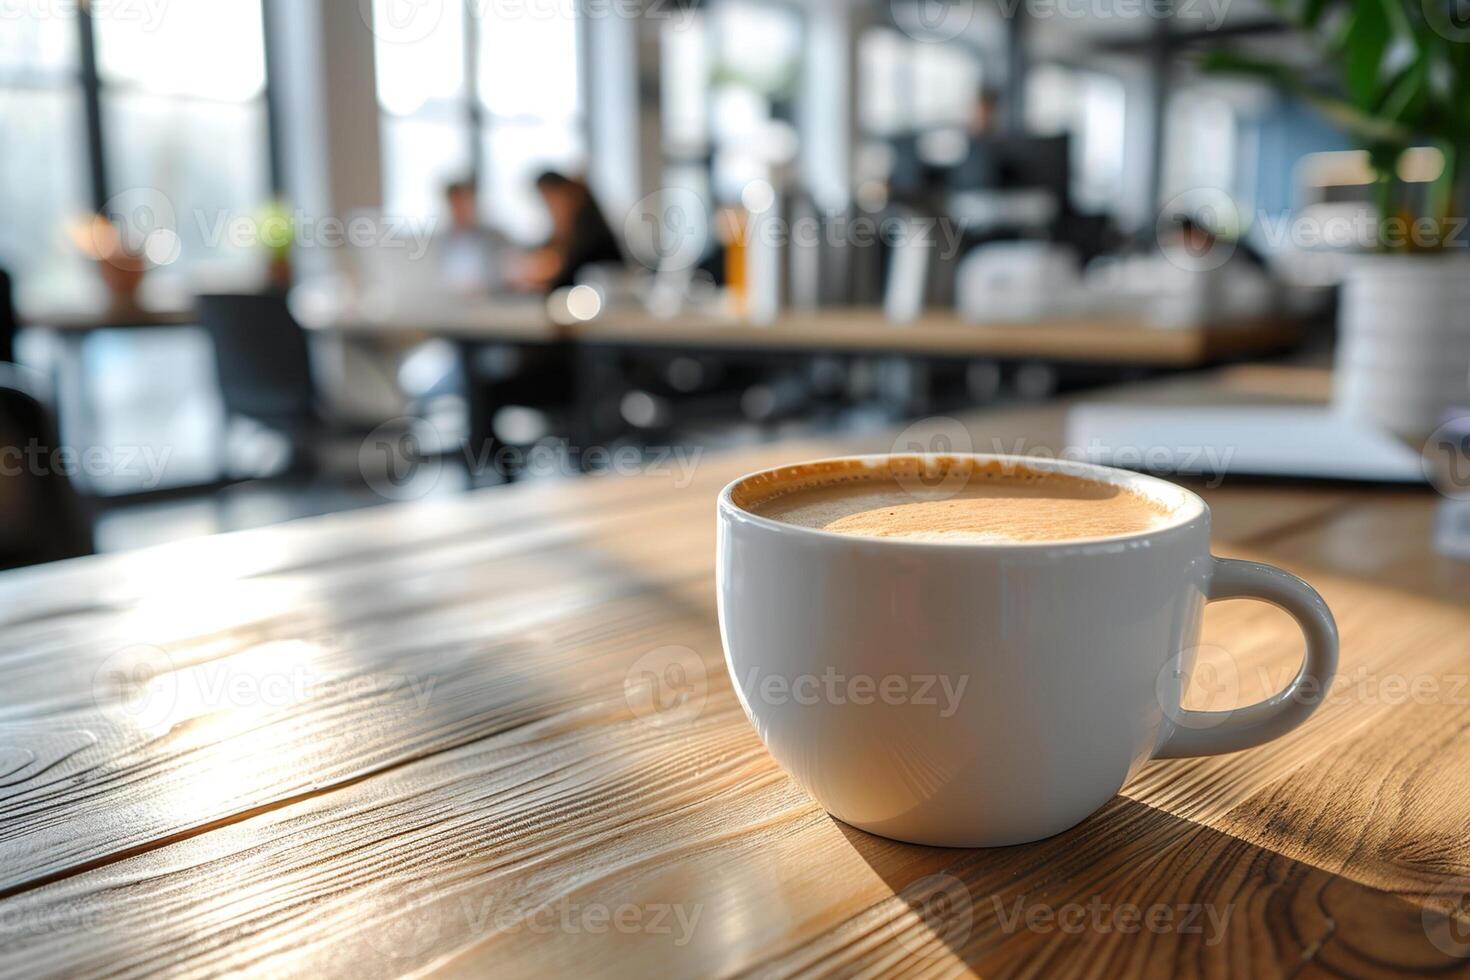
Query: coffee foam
column 948, row 498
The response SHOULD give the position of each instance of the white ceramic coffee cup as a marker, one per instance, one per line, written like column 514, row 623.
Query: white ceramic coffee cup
column 972, row 694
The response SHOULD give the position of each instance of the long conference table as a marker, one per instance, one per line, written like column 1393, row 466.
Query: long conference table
column 1104, row 338
column 1109, row 339
column 419, row 739
column 595, row 353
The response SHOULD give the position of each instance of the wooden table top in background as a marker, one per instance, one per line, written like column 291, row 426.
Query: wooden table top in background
column 1100, row 339
column 1103, row 339
column 412, row 739
column 524, row 320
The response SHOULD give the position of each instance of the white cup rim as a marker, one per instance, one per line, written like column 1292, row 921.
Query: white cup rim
column 1185, row 506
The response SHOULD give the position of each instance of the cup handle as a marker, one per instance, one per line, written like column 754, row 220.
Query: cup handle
column 1214, row 732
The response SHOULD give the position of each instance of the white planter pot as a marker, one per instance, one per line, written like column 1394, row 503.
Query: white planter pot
column 1403, row 344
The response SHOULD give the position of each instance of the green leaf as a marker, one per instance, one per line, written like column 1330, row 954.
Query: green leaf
column 1311, row 13
column 1363, row 41
column 1405, row 95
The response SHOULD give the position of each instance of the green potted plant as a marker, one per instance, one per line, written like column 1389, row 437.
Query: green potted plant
column 1394, row 74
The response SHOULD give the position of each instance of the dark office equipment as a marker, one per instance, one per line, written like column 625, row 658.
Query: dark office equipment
column 9, row 321
column 44, row 517
column 910, row 174
column 1015, row 163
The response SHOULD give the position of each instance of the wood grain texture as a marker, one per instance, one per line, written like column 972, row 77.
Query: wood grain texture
column 459, row 771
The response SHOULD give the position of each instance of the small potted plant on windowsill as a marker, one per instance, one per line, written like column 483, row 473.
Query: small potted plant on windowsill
column 1396, row 75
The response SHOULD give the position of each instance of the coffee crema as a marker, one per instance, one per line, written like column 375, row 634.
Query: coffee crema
column 948, row 498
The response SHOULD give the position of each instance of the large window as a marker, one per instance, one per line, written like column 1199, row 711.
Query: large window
column 492, row 92
column 184, row 122
column 43, row 164
column 908, row 86
column 1089, row 106
column 755, row 49
column 181, row 140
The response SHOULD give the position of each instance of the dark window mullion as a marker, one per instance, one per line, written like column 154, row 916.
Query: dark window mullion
column 92, row 101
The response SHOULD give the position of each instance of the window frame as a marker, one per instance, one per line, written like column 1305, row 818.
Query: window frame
column 480, row 122
column 93, row 89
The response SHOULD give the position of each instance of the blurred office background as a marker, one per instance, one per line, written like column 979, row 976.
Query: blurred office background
column 250, row 243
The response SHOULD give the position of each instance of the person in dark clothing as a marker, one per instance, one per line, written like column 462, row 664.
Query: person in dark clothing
column 580, row 235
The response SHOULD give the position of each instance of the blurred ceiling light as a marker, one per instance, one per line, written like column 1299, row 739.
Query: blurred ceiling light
column 1421, row 164
column 943, row 147
column 1335, row 168
column 583, row 302
column 518, row 425
column 162, row 246
column 758, row 196
column 872, row 195
column 779, row 141
column 1350, row 168
column 557, row 307
column 642, row 410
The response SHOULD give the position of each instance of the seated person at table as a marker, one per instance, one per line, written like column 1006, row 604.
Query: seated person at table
column 472, row 257
column 580, row 235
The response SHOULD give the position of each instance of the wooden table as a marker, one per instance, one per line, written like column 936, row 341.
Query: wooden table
column 416, row 739
column 71, row 321
column 1087, row 339
column 1091, row 339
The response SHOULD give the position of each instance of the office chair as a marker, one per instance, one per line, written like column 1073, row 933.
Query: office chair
column 264, row 368
column 44, row 517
